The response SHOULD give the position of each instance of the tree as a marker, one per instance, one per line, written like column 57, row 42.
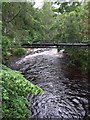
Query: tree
column 46, row 19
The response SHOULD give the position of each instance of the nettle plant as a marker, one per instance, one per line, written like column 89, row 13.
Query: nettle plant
column 15, row 89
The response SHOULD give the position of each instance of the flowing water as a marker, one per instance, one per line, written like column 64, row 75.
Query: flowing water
column 64, row 96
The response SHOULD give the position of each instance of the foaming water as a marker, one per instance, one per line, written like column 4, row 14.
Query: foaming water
column 37, row 52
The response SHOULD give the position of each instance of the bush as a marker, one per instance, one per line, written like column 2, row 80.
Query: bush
column 79, row 57
column 9, row 49
column 6, row 45
column 19, row 51
column 15, row 89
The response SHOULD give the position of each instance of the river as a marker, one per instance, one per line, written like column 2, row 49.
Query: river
column 64, row 96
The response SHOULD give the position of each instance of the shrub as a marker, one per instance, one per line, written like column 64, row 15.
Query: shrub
column 15, row 89
column 19, row 51
column 6, row 45
column 10, row 49
column 79, row 57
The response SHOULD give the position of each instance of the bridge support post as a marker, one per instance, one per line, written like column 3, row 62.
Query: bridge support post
column 58, row 48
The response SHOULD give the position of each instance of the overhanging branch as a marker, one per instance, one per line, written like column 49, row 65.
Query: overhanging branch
column 14, row 16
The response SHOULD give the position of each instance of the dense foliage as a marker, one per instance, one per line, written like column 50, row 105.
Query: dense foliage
column 10, row 49
column 73, row 27
column 24, row 23
column 15, row 89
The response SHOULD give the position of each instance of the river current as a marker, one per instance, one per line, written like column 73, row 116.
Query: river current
column 63, row 97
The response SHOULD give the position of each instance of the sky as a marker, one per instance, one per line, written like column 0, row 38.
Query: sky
column 39, row 3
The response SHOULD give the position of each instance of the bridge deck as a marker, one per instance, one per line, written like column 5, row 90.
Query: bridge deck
column 44, row 45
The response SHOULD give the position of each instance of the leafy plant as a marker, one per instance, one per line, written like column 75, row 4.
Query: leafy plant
column 9, row 48
column 19, row 51
column 15, row 89
column 79, row 57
